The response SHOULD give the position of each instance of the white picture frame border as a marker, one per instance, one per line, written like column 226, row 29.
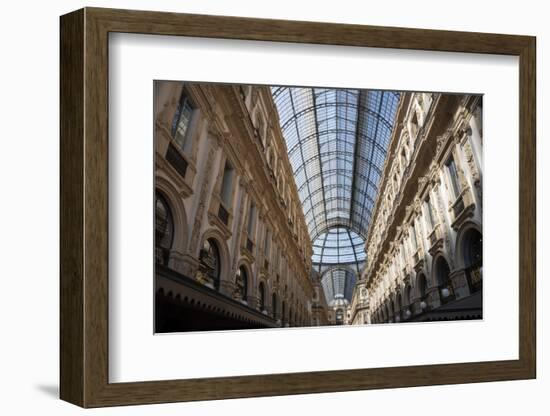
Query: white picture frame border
column 135, row 354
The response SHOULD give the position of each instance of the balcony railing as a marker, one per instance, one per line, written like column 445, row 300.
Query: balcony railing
column 418, row 258
column 176, row 160
column 458, row 206
column 223, row 214
column 435, row 239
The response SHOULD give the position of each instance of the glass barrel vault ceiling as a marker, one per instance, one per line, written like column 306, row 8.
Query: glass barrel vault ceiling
column 336, row 141
column 338, row 284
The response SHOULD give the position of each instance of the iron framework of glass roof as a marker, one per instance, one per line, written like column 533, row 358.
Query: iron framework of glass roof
column 339, row 246
column 337, row 141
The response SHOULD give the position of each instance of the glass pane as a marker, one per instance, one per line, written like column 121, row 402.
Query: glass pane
column 337, row 143
column 181, row 122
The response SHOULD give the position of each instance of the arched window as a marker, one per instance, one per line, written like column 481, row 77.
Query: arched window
column 261, row 295
column 472, row 248
column 443, row 280
column 210, row 264
column 274, row 305
column 241, row 283
column 164, row 229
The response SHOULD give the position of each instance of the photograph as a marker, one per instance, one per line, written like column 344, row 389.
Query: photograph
column 284, row 206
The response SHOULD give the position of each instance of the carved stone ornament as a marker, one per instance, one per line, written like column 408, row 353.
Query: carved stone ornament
column 470, row 160
column 440, row 141
column 439, row 204
column 422, row 182
column 202, row 201
column 215, row 137
column 240, row 227
column 202, row 277
column 462, row 178
column 465, row 129
column 244, row 182
column 434, row 172
column 417, row 205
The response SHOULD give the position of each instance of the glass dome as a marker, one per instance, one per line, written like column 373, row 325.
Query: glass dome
column 338, row 246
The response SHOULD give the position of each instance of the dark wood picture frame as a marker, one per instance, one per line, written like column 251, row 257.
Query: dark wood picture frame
column 84, row 207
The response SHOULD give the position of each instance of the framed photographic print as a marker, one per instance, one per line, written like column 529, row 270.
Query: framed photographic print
column 260, row 207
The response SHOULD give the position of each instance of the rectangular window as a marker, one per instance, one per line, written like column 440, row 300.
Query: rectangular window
column 453, row 176
column 413, row 236
column 266, row 243
column 181, row 122
column 227, row 184
column 251, row 220
column 429, row 215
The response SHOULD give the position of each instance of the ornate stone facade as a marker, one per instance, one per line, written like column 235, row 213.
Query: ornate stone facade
column 424, row 251
column 221, row 166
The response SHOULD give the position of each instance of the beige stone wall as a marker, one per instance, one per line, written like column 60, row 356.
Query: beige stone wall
column 359, row 312
column 320, row 309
